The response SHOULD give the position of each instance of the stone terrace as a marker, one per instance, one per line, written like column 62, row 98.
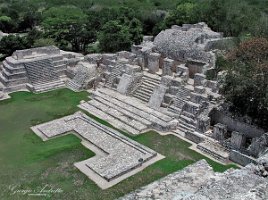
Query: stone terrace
column 120, row 155
column 199, row 182
column 127, row 113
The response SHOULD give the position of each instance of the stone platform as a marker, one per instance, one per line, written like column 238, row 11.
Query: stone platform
column 199, row 182
column 127, row 113
column 116, row 156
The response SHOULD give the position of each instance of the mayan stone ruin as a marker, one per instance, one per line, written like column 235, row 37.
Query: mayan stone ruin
column 159, row 85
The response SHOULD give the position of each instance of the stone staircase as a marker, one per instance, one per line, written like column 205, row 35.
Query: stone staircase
column 76, row 84
column 187, row 123
column 112, row 77
column 126, row 113
column 45, row 87
column 146, row 88
column 42, row 76
column 181, row 97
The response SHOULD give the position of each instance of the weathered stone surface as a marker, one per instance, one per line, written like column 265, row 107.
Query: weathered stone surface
column 127, row 113
column 168, row 67
column 177, row 185
column 153, row 62
column 240, row 158
column 219, row 132
column 203, row 123
column 124, row 84
column 258, row 145
column 157, row 96
column 199, row 182
column 182, row 71
column 121, row 154
column 84, row 74
column 199, row 79
column 186, row 43
column 238, row 140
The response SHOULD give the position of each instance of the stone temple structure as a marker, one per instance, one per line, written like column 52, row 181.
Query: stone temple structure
column 159, row 85
column 38, row 70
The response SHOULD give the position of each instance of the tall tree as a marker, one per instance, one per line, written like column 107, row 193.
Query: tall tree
column 114, row 37
column 66, row 25
column 246, row 83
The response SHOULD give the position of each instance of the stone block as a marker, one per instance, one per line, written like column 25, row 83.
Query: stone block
column 182, row 71
column 199, row 89
column 219, row 132
column 157, row 96
column 240, row 158
column 131, row 69
column 168, row 66
column 124, row 84
column 203, row 123
column 238, row 140
column 153, row 62
column 199, row 79
column 258, row 145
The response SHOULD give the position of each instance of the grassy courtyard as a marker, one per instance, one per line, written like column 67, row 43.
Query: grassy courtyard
column 27, row 164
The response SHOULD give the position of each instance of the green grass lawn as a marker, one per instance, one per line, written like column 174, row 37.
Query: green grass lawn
column 26, row 162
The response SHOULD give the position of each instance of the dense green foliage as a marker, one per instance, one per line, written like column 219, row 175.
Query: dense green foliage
column 246, row 84
column 77, row 25
column 29, row 163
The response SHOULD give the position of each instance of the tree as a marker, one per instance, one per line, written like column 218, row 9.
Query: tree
column 66, row 25
column 6, row 24
column 11, row 43
column 246, row 83
column 135, row 30
column 114, row 37
column 183, row 14
column 30, row 19
column 41, row 42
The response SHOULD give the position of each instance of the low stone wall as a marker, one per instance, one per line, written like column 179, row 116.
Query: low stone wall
column 240, row 158
column 235, row 125
column 194, row 137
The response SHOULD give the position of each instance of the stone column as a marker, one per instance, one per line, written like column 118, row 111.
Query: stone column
column 238, row 140
column 168, row 67
column 219, row 132
column 153, row 62
column 199, row 79
column 203, row 123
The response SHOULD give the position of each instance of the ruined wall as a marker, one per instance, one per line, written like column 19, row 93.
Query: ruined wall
column 235, row 125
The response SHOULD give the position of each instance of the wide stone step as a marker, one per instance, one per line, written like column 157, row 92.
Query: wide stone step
column 8, row 82
column 144, row 92
column 115, row 122
column 187, row 119
column 73, row 86
column 179, row 132
column 151, row 82
column 142, row 97
column 152, row 78
column 215, row 150
column 189, row 115
column 183, row 123
column 174, row 109
column 39, row 88
column 147, row 115
column 123, row 110
column 146, row 88
column 184, row 129
column 134, row 104
column 11, row 69
column 118, row 115
column 149, row 85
